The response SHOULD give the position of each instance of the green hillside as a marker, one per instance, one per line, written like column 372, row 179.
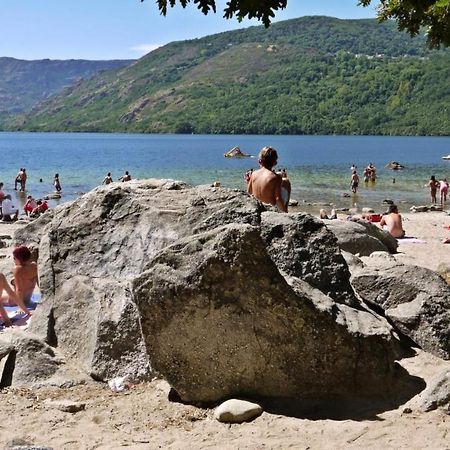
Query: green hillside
column 313, row 75
column 23, row 83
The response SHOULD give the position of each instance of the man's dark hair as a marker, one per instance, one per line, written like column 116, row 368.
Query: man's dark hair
column 392, row 209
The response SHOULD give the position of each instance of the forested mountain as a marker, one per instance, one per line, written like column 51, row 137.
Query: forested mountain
column 313, row 75
column 23, row 83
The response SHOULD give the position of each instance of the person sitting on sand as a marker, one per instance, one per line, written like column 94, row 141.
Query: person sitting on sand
column 30, row 205
column 324, row 215
column 25, row 280
column 41, row 207
column 265, row 184
column 126, row 177
column 393, row 222
column 9, row 211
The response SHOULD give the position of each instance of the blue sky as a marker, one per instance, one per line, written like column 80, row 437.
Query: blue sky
column 122, row 29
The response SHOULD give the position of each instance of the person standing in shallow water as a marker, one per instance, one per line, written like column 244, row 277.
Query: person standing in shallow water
column 433, row 185
column 354, row 182
column 57, row 183
column 265, row 184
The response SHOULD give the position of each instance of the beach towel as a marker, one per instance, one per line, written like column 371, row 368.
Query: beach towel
column 17, row 316
column 410, row 240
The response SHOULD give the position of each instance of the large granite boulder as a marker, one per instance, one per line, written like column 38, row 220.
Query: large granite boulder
column 27, row 361
column 219, row 319
column 415, row 299
column 301, row 246
column 238, row 297
column 361, row 237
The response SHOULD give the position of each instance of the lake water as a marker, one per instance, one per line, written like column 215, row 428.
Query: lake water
column 318, row 166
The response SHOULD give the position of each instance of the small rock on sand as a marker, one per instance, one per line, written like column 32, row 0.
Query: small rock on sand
column 237, row 411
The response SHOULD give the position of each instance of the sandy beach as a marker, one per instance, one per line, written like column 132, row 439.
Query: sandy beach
column 142, row 417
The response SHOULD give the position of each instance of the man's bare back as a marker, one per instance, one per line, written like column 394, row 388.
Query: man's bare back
column 265, row 184
column 393, row 222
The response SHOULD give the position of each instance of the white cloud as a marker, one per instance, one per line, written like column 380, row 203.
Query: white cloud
column 143, row 49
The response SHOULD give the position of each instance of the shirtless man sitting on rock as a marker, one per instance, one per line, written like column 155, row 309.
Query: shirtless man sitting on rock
column 393, row 222
column 25, row 280
column 266, row 185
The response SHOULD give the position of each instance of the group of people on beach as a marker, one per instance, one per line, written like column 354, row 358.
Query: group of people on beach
column 20, row 291
column 441, row 185
column 33, row 208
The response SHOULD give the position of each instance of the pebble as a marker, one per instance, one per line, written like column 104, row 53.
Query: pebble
column 65, row 405
column 237, row 411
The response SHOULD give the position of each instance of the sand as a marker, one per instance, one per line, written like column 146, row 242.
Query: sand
column 143, row 417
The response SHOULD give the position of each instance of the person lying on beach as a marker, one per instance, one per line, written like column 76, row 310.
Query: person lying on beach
column 265, row 184
column 393, row 222
column 25, row 280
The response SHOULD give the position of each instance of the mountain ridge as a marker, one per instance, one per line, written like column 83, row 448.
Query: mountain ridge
column 313, row 75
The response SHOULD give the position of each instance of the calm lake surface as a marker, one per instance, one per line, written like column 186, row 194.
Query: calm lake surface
column 318, row 166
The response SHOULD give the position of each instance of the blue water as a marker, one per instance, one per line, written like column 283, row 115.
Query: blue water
column 318, row 166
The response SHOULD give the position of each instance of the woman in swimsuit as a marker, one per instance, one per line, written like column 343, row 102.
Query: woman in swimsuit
column 433, row 185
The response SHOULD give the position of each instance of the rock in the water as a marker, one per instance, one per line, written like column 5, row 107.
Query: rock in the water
column 362, row 237
column 145, row 270
column 237, row 411
column 416, row 299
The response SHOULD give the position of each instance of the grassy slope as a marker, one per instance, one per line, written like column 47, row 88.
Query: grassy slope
column 296, row 77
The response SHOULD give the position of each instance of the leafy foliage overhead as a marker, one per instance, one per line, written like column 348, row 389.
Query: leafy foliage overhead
column 410, row 15
column 263, row 10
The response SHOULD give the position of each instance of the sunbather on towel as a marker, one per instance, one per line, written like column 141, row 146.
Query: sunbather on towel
column 25, row 279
